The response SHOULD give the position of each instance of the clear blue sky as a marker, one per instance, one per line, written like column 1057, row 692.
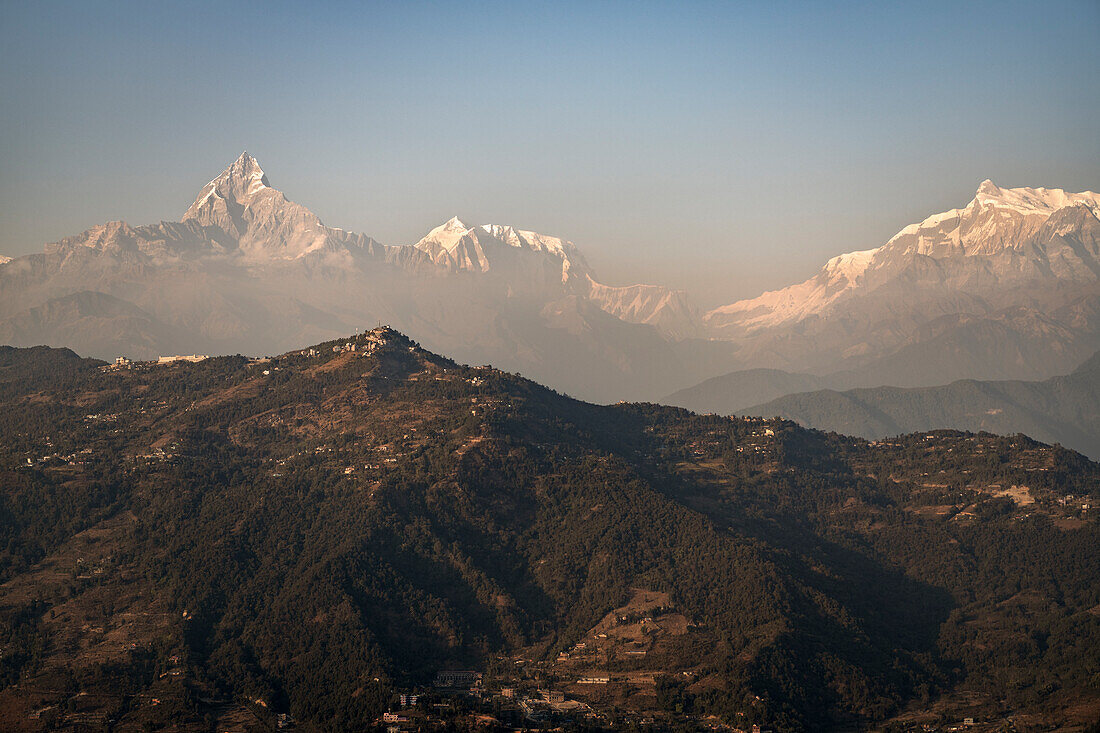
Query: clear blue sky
column 720, row 147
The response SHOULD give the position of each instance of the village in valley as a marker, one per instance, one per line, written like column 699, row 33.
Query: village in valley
column 609, row 679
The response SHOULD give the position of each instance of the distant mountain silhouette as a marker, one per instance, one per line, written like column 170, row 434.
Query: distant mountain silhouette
column 1062, row 410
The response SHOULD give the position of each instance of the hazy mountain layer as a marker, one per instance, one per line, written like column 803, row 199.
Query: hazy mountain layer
column 249, row 271
column 1063, row 410
column 1004, row 288
column 1018, row 340
column 730, row 393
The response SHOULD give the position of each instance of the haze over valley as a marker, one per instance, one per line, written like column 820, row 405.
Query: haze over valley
column 1006, row 287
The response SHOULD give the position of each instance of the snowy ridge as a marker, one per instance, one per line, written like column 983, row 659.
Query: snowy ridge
column 999, row 234
column 484, row 248
column 455, row 245
column 851, row 265
column 669, row 311
column 533, row 241
column 1015, row 269
column 267, row 226
column 1041, row 201
column 1024, row 201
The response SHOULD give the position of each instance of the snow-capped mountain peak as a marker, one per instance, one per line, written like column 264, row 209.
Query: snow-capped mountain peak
column 999, row 238
column 850, row 265
column 454, row 224
column 263, row 223
column 1032, row 201
column 470, row 248
column 245, row 167
column 988, row 188
column 239, row 183
column 444, row 237
column 524, row 239
column 236, row 214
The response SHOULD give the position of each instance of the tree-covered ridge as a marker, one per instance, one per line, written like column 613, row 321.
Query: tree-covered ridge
column 324, row 527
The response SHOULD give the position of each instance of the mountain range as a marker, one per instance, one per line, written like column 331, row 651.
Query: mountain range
column 246, row 270
column 250, row 544
column 1007, row 287
column 1063, row 410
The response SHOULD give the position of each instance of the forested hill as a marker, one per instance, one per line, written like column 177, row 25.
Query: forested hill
column 189, row 545
column 1063, row 410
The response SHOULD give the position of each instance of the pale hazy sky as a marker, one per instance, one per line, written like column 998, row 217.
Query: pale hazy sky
column 724, row 148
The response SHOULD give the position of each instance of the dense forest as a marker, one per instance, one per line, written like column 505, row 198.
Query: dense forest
column 313, row 532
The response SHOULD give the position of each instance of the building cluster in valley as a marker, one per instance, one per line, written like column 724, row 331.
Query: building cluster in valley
column 536, row 696
column 530, row 698
column 605, row 680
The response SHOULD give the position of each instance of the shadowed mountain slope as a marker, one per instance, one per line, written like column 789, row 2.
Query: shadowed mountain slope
column 319, row 530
